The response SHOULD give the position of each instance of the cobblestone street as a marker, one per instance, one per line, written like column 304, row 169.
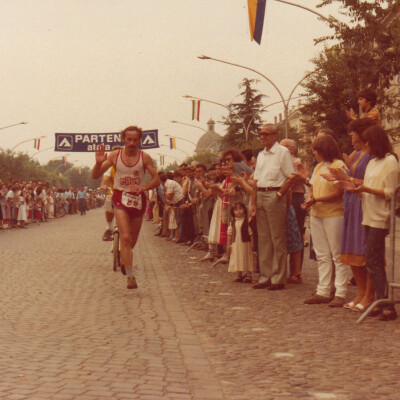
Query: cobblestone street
column 70, row 329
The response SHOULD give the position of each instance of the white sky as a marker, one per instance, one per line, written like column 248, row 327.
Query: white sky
column 101, row 65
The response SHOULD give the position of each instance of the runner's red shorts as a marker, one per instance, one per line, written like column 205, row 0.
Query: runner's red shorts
column 134, row 205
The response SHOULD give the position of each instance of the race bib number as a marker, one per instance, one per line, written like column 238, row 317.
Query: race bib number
column 131, row 200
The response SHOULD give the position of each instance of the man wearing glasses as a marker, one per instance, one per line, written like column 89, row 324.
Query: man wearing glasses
column 268, row 203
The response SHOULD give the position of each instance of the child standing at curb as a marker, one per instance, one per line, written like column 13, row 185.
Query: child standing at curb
column 240, row 244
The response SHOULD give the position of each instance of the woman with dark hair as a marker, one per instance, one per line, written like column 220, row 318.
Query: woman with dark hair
column 326, row 201
column 381, row 179
column 353, row 245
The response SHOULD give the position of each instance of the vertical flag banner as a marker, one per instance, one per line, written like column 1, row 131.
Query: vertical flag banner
column 196, row 110
column 79, row 170
column 36, row 143
column 256, row 18
column 64, row 160
column 172, row 143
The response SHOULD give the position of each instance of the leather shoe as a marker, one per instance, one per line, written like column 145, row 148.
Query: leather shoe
column 276, row 286
column 259, row 285
column 388, row 315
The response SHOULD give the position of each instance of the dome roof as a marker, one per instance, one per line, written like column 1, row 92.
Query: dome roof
column 210, row 140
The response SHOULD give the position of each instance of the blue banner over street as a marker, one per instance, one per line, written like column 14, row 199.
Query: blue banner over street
column 87, row 142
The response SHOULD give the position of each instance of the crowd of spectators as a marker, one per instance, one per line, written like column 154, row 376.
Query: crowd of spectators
column 348, row 203
column 23, row 203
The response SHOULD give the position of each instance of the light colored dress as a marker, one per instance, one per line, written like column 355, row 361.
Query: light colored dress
column 22, row 209
column 215, row 224
column 241, row 259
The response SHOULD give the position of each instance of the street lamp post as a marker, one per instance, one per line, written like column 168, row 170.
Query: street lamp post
column 264, row 108
column 177, row 137
column 28, row 140
column 56, row 158
column 222, row 105
column 183, row 151
column 333, row 21
column 62, row 165
column 194, row 126
column 48, row 148
column 9, row 126
column 168, row 155
column 285, row 102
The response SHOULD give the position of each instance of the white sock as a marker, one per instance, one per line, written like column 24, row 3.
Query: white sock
column 110, row 225
column 129, row 271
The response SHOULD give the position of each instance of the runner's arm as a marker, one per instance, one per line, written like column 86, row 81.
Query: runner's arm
column 104, row 181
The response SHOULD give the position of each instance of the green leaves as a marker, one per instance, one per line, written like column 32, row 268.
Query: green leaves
column 367, row 54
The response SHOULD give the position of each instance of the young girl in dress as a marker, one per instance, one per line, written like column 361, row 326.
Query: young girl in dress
column 240, row 244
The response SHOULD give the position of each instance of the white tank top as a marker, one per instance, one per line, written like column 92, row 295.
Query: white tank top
column 126, row 175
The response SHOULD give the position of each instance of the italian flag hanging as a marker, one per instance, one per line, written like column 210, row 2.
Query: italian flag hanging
column 36, row 143
column 196, row 110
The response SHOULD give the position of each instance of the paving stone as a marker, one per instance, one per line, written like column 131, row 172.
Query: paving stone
column 76, row 332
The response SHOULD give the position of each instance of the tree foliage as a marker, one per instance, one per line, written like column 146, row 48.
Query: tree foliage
column 367, row 54
column 245, row 116
column 21, row 167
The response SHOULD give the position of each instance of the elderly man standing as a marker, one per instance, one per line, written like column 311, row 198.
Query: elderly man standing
column 268, row 202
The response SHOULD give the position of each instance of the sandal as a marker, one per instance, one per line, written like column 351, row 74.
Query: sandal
column 349, row 305
column 358, row 308
column 296, row 279
column 247, row 279
column 239, row 279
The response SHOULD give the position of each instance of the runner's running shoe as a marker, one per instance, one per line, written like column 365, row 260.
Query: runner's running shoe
column 131, row 283
column 107, row 235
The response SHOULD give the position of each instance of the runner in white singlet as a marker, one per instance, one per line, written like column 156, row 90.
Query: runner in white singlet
column 128, row 199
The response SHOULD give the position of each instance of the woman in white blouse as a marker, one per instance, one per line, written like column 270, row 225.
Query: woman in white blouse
column 381, row 179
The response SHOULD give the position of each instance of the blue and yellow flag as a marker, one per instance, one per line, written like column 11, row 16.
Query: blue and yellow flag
column 256, row 18
column 172, row 143
column 64, row 158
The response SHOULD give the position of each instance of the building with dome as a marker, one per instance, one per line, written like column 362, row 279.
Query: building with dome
column 209, row 140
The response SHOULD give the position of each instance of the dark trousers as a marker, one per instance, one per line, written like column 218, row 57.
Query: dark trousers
column 188, row 231
column 375, row 262
column 297, row 200
column 82, row 206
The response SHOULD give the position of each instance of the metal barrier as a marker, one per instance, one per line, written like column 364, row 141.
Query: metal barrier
column 392, row 285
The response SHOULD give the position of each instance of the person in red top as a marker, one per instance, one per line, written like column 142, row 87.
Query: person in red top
column 128, row 199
